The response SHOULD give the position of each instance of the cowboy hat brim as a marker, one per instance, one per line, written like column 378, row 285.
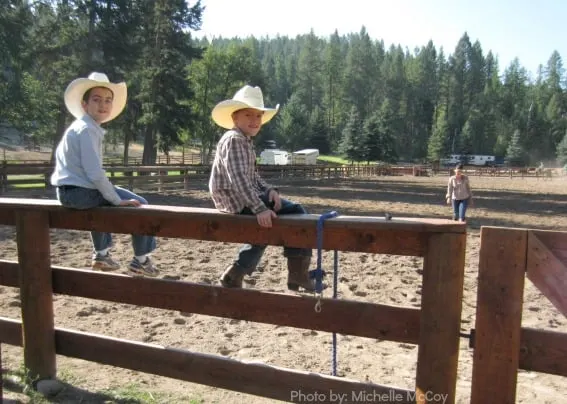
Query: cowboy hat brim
column 78, row 87
column 222, row 112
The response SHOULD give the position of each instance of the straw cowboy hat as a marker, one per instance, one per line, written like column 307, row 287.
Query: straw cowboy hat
column 78, row 87
column 246, row 97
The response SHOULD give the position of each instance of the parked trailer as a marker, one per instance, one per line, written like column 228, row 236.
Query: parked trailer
column 479, row 160
column 274, row 157
column 306, row 156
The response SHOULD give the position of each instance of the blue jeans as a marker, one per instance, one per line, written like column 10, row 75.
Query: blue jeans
column 86, row 198
column 249, row 255
column 460, row 208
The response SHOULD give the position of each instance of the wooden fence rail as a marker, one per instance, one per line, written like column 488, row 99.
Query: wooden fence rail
column 434, row 327
column 502, row 345
column 160, row 177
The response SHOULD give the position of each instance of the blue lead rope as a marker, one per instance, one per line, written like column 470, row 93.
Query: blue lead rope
column 318, row 274
column 335, row 283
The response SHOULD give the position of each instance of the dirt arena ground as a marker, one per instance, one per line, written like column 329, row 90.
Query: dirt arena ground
column 528, row 203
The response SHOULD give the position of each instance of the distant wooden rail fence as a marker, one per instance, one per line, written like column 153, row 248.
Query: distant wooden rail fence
column 188, row 158
column 160, row 177
column 502, row 345
column 434, row 327
column 511, row 172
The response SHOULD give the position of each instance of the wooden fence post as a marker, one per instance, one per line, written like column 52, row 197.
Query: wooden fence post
column 4, row 177
column 36, row 293
column 441, row 304
column 501, row 277
column 1, row 380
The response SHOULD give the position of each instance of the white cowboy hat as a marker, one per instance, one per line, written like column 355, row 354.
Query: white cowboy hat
column 246, row 97
column 78, row 87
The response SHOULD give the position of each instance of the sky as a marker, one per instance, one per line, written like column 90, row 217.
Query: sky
column 527, row 29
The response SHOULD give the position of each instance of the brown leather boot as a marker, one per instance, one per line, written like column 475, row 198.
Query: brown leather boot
column 298, row 274
column 233, row 276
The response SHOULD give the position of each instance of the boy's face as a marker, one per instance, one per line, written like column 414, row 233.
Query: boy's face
column 248, row 120
column 99, row 104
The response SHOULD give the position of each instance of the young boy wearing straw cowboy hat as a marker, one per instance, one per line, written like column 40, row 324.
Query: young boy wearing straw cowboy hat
column 236, row 187
column 79, row 176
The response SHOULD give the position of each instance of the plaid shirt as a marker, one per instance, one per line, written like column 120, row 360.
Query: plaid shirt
column 234, row 183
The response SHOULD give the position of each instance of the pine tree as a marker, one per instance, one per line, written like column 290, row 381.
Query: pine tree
column 515, row 153
column 438, row 142
column 318, row 135
column 351, row 146
column 293, row 125
column 562, row 151
column 371, row 139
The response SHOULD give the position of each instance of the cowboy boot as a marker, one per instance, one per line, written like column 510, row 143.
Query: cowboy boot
column 233, row 276
column 298, row 273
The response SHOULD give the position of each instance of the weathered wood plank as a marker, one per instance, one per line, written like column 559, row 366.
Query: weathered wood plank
column 251, row 378
column 547, row 272
column 392, row 323
column 556, row 241
column 11, row 331
column 32, row 228
column 544, row 351
column 502, row 267
column 9, row 273
column 400, row 236
column 441, row 304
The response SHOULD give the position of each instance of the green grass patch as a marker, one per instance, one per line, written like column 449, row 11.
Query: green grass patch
column 25, row 177
column 333, row 159
column 29, row 186
column 130, row 393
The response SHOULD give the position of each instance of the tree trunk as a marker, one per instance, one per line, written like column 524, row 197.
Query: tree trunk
column 59, row 129
column 126, row 146
column 150, row 152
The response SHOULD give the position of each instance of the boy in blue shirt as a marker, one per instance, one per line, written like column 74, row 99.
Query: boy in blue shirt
column 79, row 176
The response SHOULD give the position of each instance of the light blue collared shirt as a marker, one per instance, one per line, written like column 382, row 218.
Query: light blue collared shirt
column 78, row 159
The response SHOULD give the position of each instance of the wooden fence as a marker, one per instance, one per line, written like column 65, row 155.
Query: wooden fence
column 160, row 177
column 434, row 327
column 502, row 345
column 187, row 159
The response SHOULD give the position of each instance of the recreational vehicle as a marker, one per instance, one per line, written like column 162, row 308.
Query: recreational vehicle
column 472, row 160
column 274, row 157
column 306, row 156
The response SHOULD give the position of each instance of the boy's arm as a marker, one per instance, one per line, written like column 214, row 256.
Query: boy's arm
column 238, row 171
column 93, row 169
column 264, row 186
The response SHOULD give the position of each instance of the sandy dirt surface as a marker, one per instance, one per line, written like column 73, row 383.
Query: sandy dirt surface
column 396, row 280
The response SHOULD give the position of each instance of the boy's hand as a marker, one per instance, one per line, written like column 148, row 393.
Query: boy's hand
column 130, row 202
column 275, row 198
column 448, row 201
column 265, row 218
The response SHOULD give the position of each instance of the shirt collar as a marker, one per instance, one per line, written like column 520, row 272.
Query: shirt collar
column 237, row 130
column 90, row 121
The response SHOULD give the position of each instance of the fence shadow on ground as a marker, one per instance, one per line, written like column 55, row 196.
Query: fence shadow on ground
column 418, row 193
column 68, row 394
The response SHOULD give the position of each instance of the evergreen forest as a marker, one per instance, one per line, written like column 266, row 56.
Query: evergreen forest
column 348, row 94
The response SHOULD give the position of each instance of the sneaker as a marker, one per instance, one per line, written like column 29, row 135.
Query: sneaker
column 104, row 263
column 145, row 269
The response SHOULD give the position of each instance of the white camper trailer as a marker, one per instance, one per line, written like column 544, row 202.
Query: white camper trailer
column 306, row 156
column 274, row 157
